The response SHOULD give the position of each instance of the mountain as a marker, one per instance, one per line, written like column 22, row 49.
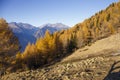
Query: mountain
column 57, row 26
column 27, row 33
column 51, row 27
column 41, row 31
column 24, row 32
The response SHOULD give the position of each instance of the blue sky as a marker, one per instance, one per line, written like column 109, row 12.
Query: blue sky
column 39, row 12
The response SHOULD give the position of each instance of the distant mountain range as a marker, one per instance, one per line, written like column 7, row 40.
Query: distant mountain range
column 27, row 33
column 51, row 27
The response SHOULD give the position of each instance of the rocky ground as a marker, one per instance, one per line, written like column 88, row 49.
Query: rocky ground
column 89, row 63
column 93, row 68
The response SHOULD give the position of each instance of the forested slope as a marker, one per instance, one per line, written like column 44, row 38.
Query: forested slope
column 54, row 46
column 9, row 45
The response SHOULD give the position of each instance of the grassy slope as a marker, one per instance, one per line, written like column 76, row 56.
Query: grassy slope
column 111, row 43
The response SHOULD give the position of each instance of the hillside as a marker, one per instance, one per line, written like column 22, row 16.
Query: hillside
column 8, row 41
column 9, row 45
column 101, row 47
column 90, row 63
column 103, row 24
